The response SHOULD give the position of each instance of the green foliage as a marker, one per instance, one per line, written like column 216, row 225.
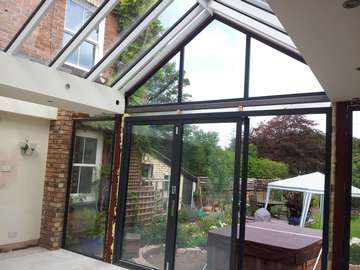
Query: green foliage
column 153, row 234
column 186, row 214
column 190, row 235
column 356, row 163
column 292, row 139
column 262, row 168
column 354, row 255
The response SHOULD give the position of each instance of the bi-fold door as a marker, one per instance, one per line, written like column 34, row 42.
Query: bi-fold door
column 178, row 185
column 185, row 201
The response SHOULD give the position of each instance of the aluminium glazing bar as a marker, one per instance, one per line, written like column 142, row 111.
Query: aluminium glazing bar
column 254, row 12
column 64, row 54
column 127, row 41
column 29, row 25
column 184, row 29
column 255, row 26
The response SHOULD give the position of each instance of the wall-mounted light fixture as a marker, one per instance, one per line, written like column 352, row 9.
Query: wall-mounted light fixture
column 27, row 148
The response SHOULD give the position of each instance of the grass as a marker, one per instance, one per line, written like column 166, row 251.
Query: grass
column 355, row 227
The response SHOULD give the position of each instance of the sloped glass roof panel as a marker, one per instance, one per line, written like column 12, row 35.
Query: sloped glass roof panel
column 161, row 88
column 263, row 4
column 13, row 15
column 275, row 73
column 109, row 32
column 149, row 37
column 255, row 21
column 215, row 64
column 63, row 20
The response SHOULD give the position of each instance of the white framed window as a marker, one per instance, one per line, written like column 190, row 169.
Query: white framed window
column 91, row 49
column 86, row 161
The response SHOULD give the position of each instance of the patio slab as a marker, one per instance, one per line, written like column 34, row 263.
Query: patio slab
column 42, row 259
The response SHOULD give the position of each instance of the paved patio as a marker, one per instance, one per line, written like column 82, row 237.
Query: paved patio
column 42, row 259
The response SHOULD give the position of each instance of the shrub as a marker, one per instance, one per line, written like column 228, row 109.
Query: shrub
column 187, row 214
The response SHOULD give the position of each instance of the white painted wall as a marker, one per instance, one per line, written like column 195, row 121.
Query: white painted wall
column 21, row 177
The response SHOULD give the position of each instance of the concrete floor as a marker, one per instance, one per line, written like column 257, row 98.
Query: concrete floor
column 41, row 259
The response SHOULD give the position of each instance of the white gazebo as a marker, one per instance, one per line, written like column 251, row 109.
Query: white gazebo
column 308, row 184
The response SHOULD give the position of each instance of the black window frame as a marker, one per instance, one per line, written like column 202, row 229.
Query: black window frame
column 247, row 99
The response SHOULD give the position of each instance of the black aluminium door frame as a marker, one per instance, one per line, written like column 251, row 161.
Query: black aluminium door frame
column 350, row 111
column 223, row 117
column 174, row 184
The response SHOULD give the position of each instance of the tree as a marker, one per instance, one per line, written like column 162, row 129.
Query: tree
column 356, row 163
column 292, row 139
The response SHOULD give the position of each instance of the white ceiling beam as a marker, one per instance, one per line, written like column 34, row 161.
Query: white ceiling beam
column 185, row 29
column 33, row 82
column 30, row 26
column 130, row 38
column 74, row 44
column 254, row 26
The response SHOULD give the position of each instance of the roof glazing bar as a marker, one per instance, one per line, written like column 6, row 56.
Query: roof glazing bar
column 255, row 26
column 166, row 46
column 108, row 59
column 29, row 25
column 101, row 13
column 255, row 13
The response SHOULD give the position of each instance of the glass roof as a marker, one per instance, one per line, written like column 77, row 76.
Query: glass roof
column 10, row 9
column 47, row 39
column 88, row 34
column 147, row 38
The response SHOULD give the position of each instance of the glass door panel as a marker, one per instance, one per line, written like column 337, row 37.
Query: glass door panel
column 203, row 237
column 89, row 187
column 148, row 182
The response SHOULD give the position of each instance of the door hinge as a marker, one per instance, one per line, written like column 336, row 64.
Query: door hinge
column 177, row 130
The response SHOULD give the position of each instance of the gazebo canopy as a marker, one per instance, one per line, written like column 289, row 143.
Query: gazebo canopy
column 310, row 183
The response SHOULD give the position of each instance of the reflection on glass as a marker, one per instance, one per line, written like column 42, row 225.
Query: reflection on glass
column 215, row 64
column 285, row 192
column 10, row 9
column 149, row 173
column 205, row 200
column 354, row 260
column 275, row 73
column 146, row 39
column 55, row 30
column 161, row 88
column 89, row 187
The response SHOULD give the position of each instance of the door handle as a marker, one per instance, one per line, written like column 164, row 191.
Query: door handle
column 172, row 212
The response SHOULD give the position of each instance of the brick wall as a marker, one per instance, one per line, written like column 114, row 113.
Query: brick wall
column 56, row 178
column 46, row 40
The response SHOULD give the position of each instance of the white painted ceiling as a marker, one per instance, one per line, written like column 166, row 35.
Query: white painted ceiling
column 328, row 37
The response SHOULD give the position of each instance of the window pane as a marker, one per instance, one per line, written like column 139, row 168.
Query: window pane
column 90, row 150
column 354, row 259
column 79, row 149
column 86, row 178
column 205, row 201
column 146, row 39
column 73, row 59
column 89, row 197
column 73, row 16
column 214, row 64
column 286, row 164
column 275, row 73
column 144, row 235
column 161, row 88
column 13, row 14
column 87, row 53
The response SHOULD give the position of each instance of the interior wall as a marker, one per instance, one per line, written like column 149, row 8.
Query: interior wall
column 21, row 177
